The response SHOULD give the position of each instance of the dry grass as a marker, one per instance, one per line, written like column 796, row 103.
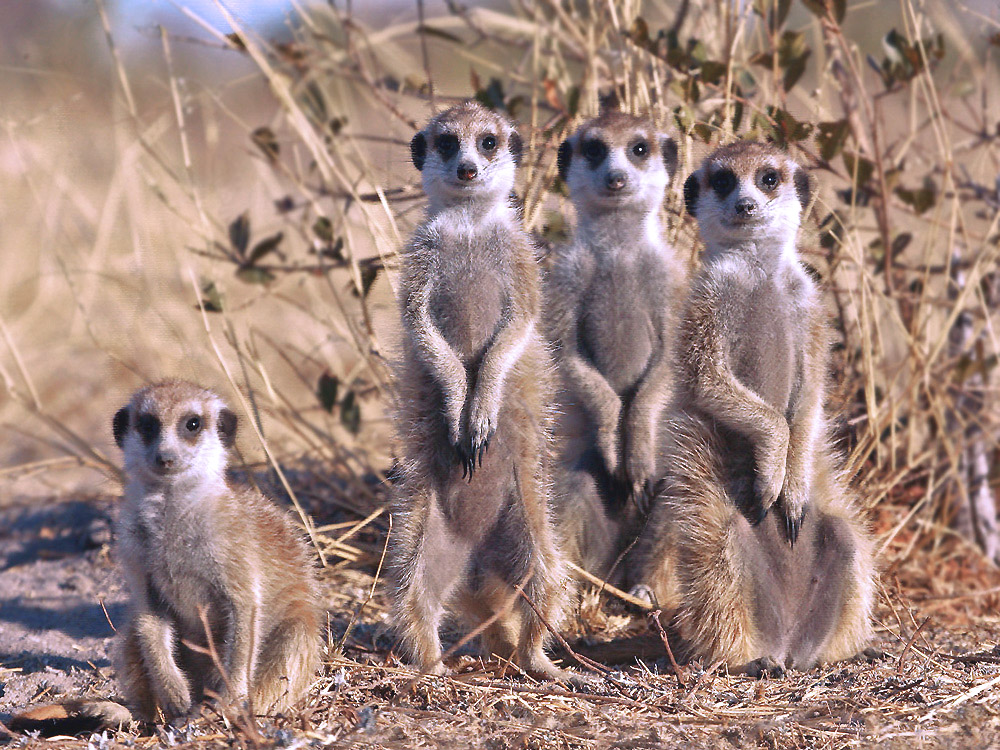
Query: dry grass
column 127, row 261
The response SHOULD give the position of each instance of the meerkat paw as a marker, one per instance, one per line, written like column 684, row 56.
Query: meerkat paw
column 793, row 509
column 482, row 425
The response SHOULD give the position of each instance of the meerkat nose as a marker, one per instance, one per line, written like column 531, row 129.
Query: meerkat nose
column 615, row 180
column 467, row 171
column 165, row 460
column 746, row 207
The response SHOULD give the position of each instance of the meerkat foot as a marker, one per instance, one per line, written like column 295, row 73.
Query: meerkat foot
column 873, row 654
column 763, row 667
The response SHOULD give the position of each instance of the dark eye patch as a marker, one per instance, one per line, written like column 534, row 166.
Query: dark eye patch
column 594, row 150
column 768, row 179
column 722, row 182
column 446, row 145
column 148, row 426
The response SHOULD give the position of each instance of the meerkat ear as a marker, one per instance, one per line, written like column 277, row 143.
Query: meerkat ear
column 418, row 150
column 563, row 158
column 227, row 427
column 803, row 186
column 691, row 188
column 516, row 146
column 668, row 147
column 119, row 426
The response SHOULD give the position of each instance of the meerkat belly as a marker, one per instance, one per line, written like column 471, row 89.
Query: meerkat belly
column 468, row 310
column 617, row 333
column 764, row 359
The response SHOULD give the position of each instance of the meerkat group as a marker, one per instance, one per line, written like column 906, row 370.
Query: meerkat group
column 665, row 435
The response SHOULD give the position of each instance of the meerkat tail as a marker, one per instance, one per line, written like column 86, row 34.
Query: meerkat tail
column 72, row 717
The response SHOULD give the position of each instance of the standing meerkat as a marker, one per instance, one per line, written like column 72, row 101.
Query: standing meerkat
column 755, row 539
column 612, row 296
column 190, row 542
column 470, row 510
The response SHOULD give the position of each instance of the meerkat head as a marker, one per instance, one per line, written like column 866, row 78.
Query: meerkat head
column 617, row 161
column 467, row 153
column 748, row 192
column 175, row 432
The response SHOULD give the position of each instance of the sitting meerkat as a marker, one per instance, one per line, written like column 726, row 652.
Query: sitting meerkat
column 192, row 544
column 470, row 510
column 612, row 296
column 754, row 539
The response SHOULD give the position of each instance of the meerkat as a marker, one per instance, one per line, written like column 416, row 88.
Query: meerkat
column 754, row 540
column 612, row 296
column 192, row 543
column 470, row 510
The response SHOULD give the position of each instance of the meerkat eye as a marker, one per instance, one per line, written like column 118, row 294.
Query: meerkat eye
column 488, row 142
column 446, row 145
column 192, row 424
column 594, row 151
column 640, row 149
column 769, row 179
column 722, row 182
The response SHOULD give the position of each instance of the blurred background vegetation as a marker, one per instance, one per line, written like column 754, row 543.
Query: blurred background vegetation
column 218, row 191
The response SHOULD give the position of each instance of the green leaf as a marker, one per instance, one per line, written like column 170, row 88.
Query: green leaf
column 859, row 169
column 920, row 199
column 323, row 228
column 264, row 247
column 252, row 275
column 211, row 298
column 350, row 413
column 265, row 139
column 326, row 390
column 713, row 72
column 492, row 96
column 832, row 137
column 900, row 243
column 239, row 233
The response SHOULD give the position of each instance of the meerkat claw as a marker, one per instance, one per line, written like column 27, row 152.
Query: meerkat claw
column 761, row 515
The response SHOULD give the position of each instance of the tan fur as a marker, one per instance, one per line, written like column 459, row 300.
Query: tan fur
column 189, row 541
column 612, row 299
column 755, row 540
column 475, row 387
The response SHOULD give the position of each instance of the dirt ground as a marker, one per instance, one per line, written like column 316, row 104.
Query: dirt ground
column 938, row 687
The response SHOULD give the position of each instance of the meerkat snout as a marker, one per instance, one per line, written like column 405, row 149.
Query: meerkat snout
column 471, row 154
column 617, row 159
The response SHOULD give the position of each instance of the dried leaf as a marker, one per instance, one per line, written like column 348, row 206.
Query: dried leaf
column 265, row 139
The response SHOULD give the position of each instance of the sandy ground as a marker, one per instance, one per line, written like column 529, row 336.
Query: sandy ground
column 55, row 570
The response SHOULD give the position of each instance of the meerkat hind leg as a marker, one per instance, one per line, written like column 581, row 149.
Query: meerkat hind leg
column 428, row 580
column 830, row 561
